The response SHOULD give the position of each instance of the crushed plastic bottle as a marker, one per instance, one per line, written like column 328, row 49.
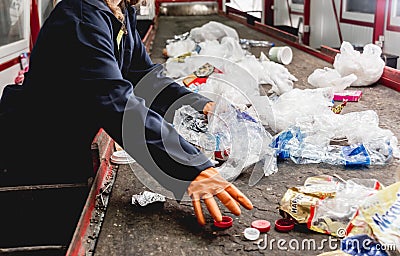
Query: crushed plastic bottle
column 246, row 43
column 292, row 144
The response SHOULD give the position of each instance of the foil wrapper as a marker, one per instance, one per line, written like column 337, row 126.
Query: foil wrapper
column 146, row 198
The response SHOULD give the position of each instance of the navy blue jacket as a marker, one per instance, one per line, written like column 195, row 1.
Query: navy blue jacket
column 81, row 80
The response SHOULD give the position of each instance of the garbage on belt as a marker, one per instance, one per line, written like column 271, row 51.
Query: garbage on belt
column 374, row 229
column 327, row 204
column 242, row 139
column 309, row 131
column 147, row 197
column 308, row 127
column 379, row 217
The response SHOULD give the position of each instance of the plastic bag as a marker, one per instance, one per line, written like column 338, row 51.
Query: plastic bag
column 177, row 48
column 228, row 48
column 329, row 77
column 247, row 139
column 212, row 31
column 298, row 104
column 269, row 72
column 367, row 66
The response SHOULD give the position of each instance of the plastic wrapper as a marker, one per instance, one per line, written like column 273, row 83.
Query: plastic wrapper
column 368, row 66
column 190, row 122
column 231, row 130
column 298, row 201
column 269, row 72
column 212, row 31
column 325, row 203
column 177, row 48
column 293, row 144
column 298, row 104
column 227, row 48
column 232, row 77
column 309, row 127
column 180, row 37
column 338, row 108
column 146, row 198
column 332, row 215
column 246, row 43
column 379, row 217
column 247, row 139
column 328, row 77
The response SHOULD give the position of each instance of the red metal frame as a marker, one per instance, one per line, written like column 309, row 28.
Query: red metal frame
column 388, row 25
column 269, row 13
column 106, row 148
column 9, row 64
column 307, row 13
column 34, row 23
column 379, row 27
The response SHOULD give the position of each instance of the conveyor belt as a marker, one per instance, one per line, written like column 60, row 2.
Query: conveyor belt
column 171, row 228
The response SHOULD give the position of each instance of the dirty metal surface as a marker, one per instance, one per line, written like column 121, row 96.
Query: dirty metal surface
column 171, row 228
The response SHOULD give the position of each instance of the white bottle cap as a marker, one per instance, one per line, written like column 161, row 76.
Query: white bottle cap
column 251, row 233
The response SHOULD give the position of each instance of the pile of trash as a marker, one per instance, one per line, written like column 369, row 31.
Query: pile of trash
column 303, row 125
column 360, row 209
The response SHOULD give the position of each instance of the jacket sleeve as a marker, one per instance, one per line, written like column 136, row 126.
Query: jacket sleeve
column 142, row 132
column 161, row 93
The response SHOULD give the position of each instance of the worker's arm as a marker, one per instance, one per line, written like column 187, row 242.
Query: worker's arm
column 142, row 132
column 161, row 93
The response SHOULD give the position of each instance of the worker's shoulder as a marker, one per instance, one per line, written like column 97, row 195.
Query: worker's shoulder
column 83, row 10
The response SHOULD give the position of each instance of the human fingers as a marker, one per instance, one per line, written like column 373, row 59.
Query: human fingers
column 229, row 202
column 213, row 208
column 209, row 107
column 198, row 212
column 239, row 196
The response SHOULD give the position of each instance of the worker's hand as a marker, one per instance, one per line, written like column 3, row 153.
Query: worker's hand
column 209, row 108
column 210, row 183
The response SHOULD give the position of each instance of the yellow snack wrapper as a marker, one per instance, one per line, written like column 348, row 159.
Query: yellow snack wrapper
column 297, row 204
column 379, row 217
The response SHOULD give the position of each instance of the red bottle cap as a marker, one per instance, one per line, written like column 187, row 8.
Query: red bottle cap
column 225, row 223
column 262, row 225
column 284, row 225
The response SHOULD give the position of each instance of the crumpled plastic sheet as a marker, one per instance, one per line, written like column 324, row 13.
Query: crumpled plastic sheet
column 368, row 66
column 269, row 72
column 191, row 124
column 305, row 146
column 299, row 104
column 233, row 76
column 229, row 128
column 248, row 140
column 212, row 30
column 333, row 214
column 178, row 48
column 228, row 48
column 146, row 198
column 328, row 77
